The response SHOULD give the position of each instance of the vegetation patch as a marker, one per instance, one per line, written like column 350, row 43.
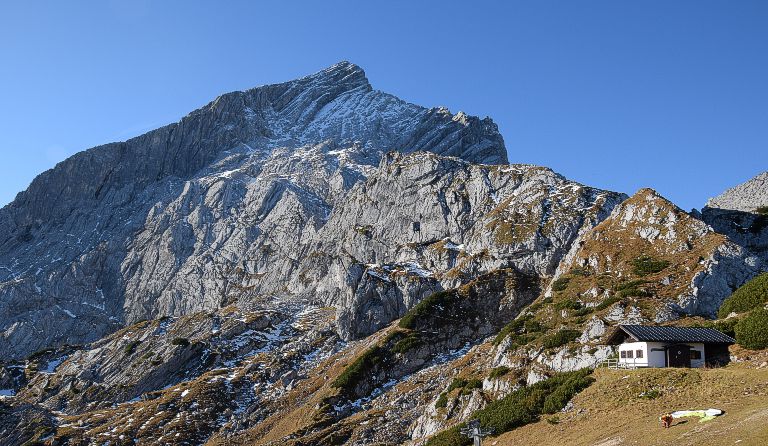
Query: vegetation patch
column 433, row 304
column 632, row 289
column 560, row 338
column 498, row 372
column 646, row 265
column 409, row 342
column 561, row 284
column 516, row 328
column 465, row 386
column 762, row 210
column 360, row 369
column 751, row 331
column 749, row 296
column 727, row 326
column 131, row 347
column 521, row 407
column 582, row 271
column 607, row 303
column 583, row 311
column 568, row 304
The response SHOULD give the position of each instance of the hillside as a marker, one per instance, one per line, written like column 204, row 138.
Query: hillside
column 613, row 411
column 320, row 263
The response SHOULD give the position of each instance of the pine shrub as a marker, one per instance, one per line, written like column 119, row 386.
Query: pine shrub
column 749, row 296
column 646, row 265
column 752, row 331
column 560, row 338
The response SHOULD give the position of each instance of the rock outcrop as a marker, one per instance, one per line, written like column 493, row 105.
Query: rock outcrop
column 746, row 197
column 205, row 211
column 679, row 259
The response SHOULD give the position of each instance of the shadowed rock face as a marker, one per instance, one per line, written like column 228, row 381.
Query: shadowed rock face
column 189, row 216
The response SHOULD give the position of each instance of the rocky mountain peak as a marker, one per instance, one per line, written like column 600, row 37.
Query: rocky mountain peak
column 229, row 195
column 745, row 197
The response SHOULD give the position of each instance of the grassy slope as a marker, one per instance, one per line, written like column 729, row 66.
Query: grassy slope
column 611, row 413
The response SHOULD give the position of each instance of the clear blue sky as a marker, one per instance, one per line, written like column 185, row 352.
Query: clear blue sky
column 667, row 94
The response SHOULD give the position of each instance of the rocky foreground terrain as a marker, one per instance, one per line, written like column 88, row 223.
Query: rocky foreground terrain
column 317, row 262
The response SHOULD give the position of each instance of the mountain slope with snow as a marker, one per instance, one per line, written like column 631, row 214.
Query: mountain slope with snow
column 185, row 217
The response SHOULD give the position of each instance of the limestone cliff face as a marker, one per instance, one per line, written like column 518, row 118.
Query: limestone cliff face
column 210, row 209
column 741, row 213
column 424, row 222
column 745, row 197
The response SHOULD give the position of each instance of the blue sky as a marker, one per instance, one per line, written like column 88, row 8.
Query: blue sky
column 621, row 95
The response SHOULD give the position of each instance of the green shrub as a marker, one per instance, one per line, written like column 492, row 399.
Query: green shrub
column 532, row 326
column 645, row 265
column 442, row 400
column 450, row 437
column 429, row 306
column 180, row 341
column 749, row 296
column 521, row 407
column 359, row 369
column 607, row 303
column 522, row 340
column 568, row 304
column 583, row 271
column 512, row 328
column 634, row 292
column 554, row 419
column 583, row 311
column 632, row 289
column 131, row 347
column 762, row 210
column 498, row 372
column 516, row 328
column 457, row 383
column 560, row 284
column 560, row 397
column 411, row 341
column 726, row 326
column 752, row 330
column 464, row 385
column 471, row 385
column 560, row 338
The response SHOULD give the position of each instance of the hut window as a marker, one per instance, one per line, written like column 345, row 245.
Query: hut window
column 623, row 354
column 638, row 354
column 629, row 354
column 695, row 354
column 416, row 226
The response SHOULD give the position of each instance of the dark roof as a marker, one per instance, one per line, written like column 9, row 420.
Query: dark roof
column 646, row 333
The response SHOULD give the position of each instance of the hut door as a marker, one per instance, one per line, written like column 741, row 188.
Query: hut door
column 679, row 355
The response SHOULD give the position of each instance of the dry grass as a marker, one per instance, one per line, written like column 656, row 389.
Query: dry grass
column 611, row 412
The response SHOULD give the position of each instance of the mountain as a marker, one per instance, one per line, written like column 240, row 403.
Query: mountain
column 196, row 214
column 316, row 262
column 741, row 213
column 746, row 197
